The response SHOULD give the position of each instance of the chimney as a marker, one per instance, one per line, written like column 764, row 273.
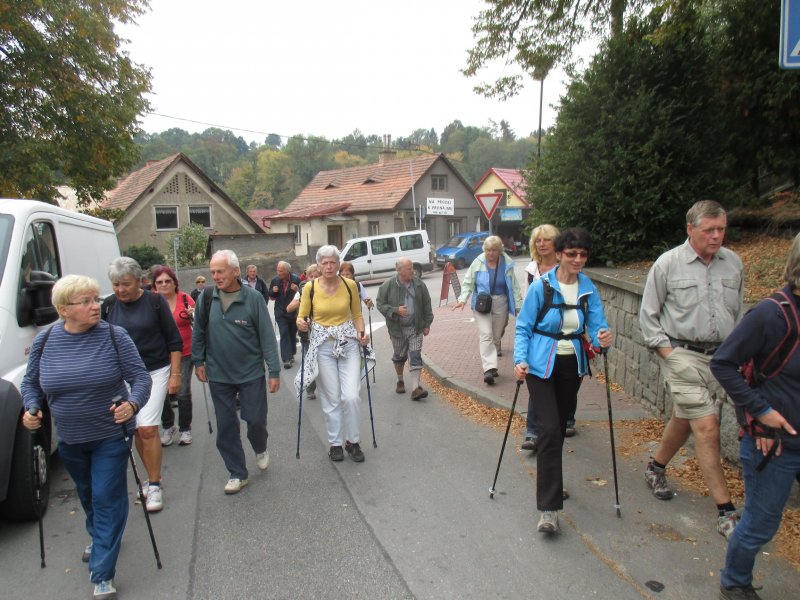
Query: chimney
column 387, row 154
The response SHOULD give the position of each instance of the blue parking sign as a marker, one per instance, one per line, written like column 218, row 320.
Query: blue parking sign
column 790, row 34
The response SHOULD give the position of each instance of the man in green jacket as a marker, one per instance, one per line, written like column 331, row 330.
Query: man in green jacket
column 405, row 302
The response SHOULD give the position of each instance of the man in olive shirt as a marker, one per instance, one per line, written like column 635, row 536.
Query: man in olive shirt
column 692, row 300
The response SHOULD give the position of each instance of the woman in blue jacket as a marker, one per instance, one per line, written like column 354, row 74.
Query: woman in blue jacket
column 549, row 357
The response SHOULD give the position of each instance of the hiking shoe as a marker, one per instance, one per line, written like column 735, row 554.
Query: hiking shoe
column 570, row 432
column 235, row 485
column 400, row 388
column 105, row 590
column 186, row 438
column 336, row 453
column 87, row 553
column 488, row 378
column 727, row 523
column 262, row 460
column 530, row 443
column 419, row 394
column 311, row 396
column 494, row 372
column 354, row 450
column 287, row 365
column 738, row 593
column 154, row 501
column 657, row 481
column 564, row 494
column 145, row 485
column 168, row 435
column 548, row 522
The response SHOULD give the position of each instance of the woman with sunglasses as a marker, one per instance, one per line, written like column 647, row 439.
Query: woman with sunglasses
column 549, row 357
column 182, row 307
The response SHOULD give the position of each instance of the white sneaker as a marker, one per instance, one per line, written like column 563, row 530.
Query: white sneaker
column 145, row 486
column 105, row 590
column 234, row 486
column 548, row 522
column 154, row 501
column 262, row 460
column 168, row 436
column 186, row 438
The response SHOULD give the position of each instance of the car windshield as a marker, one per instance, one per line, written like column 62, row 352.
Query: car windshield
column 456, row 242
column 6, row 227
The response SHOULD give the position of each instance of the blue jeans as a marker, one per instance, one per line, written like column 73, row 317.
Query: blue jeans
column 766, row 494
column 98, row 469
column 253, row 409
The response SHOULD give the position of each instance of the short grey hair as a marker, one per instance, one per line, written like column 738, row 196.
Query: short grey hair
column 402, row 261
column 251, row 267
column 72, row 285
column 328, row 251
column 285, row 265
column 493, row 242
column 229, row 256
column 704, row 209
column 123, row 266
column 791, row 274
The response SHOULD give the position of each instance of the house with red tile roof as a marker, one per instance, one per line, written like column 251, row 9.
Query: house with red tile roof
column 263, row 216
column 513, row 207
column 393, row 195
column 166, row 194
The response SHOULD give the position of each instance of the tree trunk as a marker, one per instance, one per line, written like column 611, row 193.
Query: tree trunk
column 616, row 11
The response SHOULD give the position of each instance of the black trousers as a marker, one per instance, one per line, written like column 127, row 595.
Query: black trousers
column 287, row 327
column 556, row 398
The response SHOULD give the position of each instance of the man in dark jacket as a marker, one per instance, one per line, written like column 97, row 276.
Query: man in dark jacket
column 254, row 281
column 282, row 289
column 405, row 302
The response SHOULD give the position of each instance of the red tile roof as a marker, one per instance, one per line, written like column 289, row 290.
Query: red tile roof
column 375, row 187
column 512, row 178
column 130, row 188
column 263, row 216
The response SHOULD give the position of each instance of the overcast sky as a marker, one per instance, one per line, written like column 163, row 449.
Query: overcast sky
column 320, row 67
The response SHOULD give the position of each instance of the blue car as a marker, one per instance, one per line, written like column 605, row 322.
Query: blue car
column 461, row 249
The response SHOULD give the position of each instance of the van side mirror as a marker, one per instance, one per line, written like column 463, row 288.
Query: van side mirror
column 34, row 304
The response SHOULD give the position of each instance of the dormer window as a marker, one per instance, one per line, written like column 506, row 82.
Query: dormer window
column 439, row 183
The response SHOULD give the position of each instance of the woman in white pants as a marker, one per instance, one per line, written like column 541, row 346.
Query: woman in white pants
column 492, row 275
column 330, row 309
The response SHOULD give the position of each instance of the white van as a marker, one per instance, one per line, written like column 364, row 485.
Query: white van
column 374, row 257
column 38, row 244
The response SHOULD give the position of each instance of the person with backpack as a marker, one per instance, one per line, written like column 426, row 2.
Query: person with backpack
column 766, row 343
column 693, row 297
column 148, row 320
column 81, row 364
column 282, row 289
column 549, row 355
column 330, row 310
column 495, row 295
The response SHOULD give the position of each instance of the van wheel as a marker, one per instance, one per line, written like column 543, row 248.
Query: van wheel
column 418, row 271
column 20, row 502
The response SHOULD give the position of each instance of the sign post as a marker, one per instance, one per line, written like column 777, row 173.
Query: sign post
column 789, row 57
column 488, row 203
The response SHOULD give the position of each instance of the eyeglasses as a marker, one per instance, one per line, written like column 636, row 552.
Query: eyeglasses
column 165, row 282
column 571, row 254
column 85, row 302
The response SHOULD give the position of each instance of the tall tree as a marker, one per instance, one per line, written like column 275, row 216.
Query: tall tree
column 70, row 96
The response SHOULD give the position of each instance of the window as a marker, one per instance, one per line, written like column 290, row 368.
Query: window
column 357, row 250
column 298, row 235
column 411, row 242
column 201, row 215
column 453, row 227
column 40, row 251
column 439, row 182
column 166, row 217
column 383, row 246
column 374, row 227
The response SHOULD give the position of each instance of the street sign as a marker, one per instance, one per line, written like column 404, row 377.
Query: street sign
column 488, row 203
column 790, row 35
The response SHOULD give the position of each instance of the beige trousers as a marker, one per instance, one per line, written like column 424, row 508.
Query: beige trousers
column 491, row 327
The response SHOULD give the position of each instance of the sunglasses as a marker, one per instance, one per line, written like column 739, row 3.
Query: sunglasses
column 571, row 254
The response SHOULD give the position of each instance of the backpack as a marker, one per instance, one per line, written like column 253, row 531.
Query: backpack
column 311, row 296
column 756, row 373
column 110, row 300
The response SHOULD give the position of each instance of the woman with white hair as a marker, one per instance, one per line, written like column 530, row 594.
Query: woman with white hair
column 495, row 295
column 148, row 320
column 330, row 309
column 75, row 370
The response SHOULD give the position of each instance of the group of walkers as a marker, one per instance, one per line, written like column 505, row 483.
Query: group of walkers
column 121, row 362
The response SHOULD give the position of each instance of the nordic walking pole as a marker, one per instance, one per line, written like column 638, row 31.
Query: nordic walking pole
column 208, row 412
column 611, row 430
column 369, row 315
column 117, row 401
column 505, row 438
column 369, row 398
column 34, row 411
column 303, row 348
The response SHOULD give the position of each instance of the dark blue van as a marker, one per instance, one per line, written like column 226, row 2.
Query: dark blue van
column 462, row 249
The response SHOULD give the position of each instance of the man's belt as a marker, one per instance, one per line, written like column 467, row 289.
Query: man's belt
column 707, row 350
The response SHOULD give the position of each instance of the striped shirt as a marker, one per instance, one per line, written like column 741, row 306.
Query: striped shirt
column 80, row 373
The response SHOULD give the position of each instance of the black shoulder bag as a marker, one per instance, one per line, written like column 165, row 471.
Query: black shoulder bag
column 483, row 301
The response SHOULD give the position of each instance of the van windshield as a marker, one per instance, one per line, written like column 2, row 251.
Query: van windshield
column 6, row 228
column 456, row 242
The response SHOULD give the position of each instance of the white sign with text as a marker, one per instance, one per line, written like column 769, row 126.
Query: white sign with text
column 441, row 206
